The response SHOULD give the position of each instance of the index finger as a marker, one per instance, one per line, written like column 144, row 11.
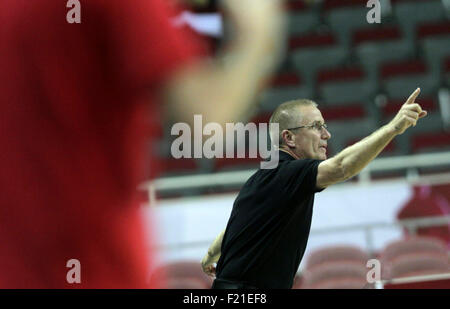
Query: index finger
column 413, row 96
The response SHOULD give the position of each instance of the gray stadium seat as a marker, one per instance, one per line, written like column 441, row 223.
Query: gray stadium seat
column 344, row 21
column 302, row 22
column 402, row 86
column 372, row 54
column 343, row 92
column 343, row 131
column 436, row 49
column 409, row 14
column 308, row 61
column 273, row 97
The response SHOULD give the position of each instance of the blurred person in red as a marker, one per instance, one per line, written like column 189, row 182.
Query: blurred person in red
column 73, row 101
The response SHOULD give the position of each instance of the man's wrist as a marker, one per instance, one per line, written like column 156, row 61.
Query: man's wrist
column 391, row 129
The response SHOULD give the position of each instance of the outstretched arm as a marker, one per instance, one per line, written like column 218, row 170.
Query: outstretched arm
column 353, row 159
column 213, row 255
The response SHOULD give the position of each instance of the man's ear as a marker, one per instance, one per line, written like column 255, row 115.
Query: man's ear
column 288, row 138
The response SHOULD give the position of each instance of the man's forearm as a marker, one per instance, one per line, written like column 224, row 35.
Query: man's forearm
column 215, row 247
column 354, row 158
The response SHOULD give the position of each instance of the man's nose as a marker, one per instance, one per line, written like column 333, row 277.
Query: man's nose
column 326, row 134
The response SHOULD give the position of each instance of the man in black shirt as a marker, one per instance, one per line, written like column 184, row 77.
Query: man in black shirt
column 267, row 233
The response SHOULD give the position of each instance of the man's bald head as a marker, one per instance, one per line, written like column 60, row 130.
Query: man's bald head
column 287, row 115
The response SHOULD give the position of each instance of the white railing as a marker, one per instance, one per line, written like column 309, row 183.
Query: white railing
column 411, row 163
column 412, row 225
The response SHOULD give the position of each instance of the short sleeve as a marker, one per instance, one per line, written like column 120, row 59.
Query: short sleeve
column 300, row 176
column 145, row 47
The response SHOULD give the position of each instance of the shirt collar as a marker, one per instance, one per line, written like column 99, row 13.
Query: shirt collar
column 284, row 156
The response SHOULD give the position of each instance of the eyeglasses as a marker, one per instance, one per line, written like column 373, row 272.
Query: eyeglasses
column 318, row 126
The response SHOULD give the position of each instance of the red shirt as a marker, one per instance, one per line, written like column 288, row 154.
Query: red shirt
column 74, row 101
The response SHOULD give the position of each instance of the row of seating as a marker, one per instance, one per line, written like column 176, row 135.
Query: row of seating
column 359, row 73
column 346, row 266
column 337, row 267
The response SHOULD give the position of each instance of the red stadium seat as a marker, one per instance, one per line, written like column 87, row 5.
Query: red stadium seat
column 336, row 253
column 285, row 79
column 337, row 270
column 311, row 40
column 333, row 4
column 431, row 141
column 433, row 29
column 412, row 245
column 396, row 68
column 376, row 34
column 340, row 74
column 422, row 247
column 341, row 283
column 184, row 275
column 416, row 264
column 345, row 112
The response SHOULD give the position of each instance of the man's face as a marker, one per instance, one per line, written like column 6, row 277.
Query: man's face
column 311, row 142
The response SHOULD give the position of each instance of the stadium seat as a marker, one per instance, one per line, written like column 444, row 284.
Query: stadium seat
column 431, row 141
column 447, row 71
column 283, row 79
column 417, row 264
column 436, row 50
column 309, row 61
column 401, row 87
column 311, row 40
column 399, row 68
column 336, row 4
column 417, row 248
column 340, row 74
column 302, row 22
column 334, row 254
column 411, row 14
column 346, row 112
column 433, row 29
column 412, row 245
column 344, row 21
column 347, row 92
column 341, row 283
column 342, row 131
column 372, row 54
column 296, row 5
column 273, row 97
column 380, row 33
column 184, row 275
column 315, row 277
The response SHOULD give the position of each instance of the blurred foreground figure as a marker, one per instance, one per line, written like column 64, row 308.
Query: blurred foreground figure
column 73, row 101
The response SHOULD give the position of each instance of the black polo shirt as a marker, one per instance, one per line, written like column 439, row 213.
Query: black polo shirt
column 268, row 229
